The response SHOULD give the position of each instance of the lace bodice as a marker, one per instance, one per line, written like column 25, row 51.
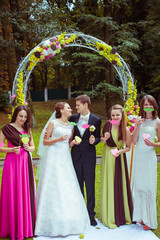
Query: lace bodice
column 60, row 130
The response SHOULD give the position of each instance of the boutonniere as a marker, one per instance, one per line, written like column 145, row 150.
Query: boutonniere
column 92, row 128
column 24, row 138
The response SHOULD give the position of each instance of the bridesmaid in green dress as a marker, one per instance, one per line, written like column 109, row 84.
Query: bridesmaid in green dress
column 116, row 206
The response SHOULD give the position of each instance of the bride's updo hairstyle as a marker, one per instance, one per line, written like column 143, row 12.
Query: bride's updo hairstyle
column 59, row 106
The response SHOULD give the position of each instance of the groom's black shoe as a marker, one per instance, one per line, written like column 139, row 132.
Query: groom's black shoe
column 93, row 221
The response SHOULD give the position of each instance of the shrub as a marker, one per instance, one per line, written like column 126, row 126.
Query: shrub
column 4, row 100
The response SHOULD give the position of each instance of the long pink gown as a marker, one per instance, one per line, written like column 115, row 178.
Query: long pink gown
column 17, row 203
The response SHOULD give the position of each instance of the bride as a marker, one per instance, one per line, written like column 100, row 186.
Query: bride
column 61, row 209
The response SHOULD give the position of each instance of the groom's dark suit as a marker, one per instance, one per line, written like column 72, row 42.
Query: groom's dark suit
column 84, row 159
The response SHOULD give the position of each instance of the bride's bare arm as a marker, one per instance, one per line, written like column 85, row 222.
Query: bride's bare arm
column 49, row 130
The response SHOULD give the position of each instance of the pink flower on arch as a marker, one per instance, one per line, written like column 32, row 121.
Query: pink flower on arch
column 133, row 120
column 13, row 96
column 132, row 129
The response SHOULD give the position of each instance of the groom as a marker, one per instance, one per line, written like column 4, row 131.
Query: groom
column 84, row 154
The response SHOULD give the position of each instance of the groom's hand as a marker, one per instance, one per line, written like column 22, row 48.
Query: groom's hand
column 92, row 139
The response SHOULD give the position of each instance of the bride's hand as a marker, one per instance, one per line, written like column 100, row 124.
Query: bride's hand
column 63, row 138
column 45, row 135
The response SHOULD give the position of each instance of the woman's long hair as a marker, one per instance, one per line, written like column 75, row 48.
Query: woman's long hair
column 123, row 123
column 27, row 124
column 153, row 102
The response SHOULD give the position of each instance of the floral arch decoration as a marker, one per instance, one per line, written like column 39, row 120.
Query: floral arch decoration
column 53, row 45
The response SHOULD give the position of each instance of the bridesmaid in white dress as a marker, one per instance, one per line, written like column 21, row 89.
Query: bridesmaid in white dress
column 61, row 209
column 145, row 164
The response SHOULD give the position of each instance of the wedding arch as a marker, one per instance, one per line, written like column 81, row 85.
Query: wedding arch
column 52, row 46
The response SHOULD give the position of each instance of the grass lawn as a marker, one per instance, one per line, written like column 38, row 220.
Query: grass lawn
column 43, row 111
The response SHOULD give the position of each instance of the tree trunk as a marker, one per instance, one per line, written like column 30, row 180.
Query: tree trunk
column 17, row 34
column 45, row 75
column 8, row 53
column 106, row 39
column 34, row 122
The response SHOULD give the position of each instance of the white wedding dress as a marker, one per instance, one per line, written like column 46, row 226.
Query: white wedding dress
column 61, row 209
column 145, row 177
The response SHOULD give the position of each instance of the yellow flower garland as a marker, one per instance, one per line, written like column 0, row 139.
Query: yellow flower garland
column 132, row 107
column 32, row 62
column 108, row 52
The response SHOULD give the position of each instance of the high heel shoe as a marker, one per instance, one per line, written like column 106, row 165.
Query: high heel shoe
column 146, row 228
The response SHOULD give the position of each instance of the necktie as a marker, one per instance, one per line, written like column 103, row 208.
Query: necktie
column 84, row 117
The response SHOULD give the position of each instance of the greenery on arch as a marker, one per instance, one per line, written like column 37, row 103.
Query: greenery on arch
column 54, row 45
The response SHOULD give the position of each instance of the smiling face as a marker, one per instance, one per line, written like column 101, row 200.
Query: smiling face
column 21, row 117
column 147, row 104
column 148, row 107
column 66, row 111
column 116, row 114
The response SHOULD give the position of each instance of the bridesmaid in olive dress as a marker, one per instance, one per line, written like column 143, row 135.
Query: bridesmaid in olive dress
column 115, row 202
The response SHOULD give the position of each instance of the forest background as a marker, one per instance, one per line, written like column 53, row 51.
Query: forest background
column 132, row 27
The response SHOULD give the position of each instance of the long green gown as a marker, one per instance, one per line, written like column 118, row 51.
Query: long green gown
column 107, row 194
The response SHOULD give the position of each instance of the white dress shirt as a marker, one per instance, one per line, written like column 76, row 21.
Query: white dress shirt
column 82, row 120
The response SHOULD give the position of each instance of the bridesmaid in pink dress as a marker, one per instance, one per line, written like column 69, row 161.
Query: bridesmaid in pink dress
column 17, row 201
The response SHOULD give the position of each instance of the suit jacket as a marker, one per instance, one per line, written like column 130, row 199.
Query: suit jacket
column 85, row 150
